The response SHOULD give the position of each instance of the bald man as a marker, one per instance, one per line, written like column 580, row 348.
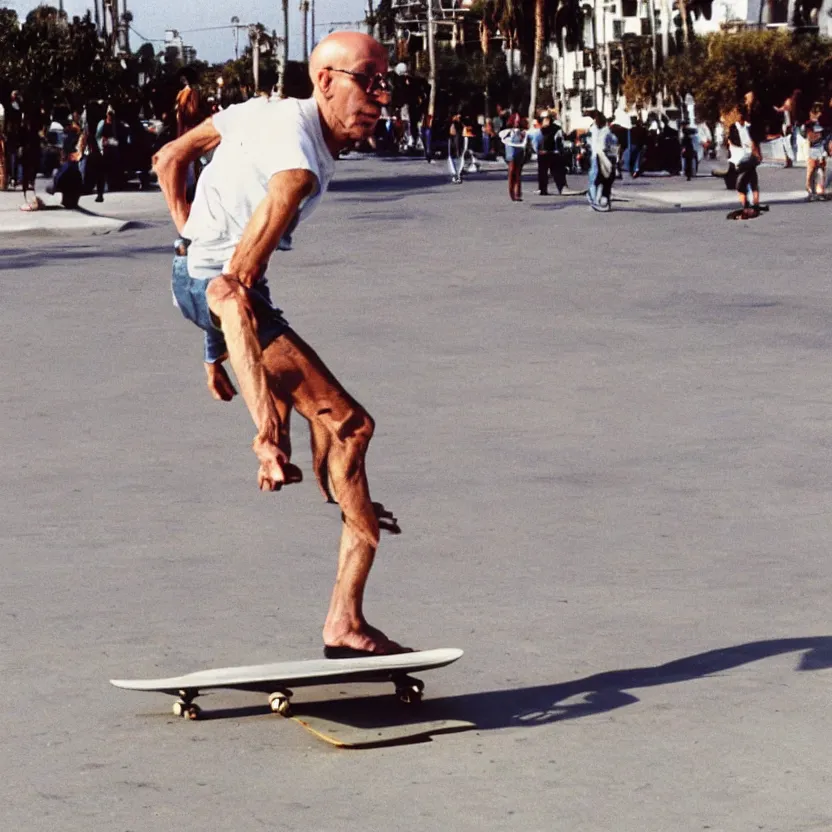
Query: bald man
column 273, row 162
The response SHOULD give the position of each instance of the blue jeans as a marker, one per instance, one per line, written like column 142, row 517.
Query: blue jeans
column 189, row 295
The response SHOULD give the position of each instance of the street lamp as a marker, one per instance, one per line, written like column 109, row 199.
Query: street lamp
column 235, row 22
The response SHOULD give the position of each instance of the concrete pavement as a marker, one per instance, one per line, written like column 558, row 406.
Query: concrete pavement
column 606, row 437
column 116, row 213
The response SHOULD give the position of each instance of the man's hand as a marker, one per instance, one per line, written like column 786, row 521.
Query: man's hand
column 275, row 469
column 219, row 384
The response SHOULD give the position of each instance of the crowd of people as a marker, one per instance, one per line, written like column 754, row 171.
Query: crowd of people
column 103, row 148
column 99, row 148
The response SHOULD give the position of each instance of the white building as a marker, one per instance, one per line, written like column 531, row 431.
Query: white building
column 578, row 80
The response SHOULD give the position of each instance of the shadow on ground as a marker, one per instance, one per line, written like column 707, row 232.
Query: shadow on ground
column 543, row 704
column 25, row 258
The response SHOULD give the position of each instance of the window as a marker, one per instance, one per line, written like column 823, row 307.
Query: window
column 629, row 8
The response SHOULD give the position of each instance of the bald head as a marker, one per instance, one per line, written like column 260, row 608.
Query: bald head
column 346, row 50
column 349, row 76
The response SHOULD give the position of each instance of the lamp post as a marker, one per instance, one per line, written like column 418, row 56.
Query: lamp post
column 235, row 22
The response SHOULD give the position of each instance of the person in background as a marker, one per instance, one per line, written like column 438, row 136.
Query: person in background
column 455, row 142
column 550, row 156
column 68, row 180
column 789, row 111
column 469, row 161
column 638, row 144
column 426, row 137
column 30, row 149
column 604, row 148
column 487, row 138
column 106, row 138
column 514, row 139
column 14, row 125
column 816, row 161
column 745, row 156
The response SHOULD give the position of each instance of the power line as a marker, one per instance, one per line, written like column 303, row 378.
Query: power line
column 215, row 28
column 140, row 36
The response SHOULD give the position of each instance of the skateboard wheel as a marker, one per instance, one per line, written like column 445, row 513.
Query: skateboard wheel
column 178, row 708
column 193, row 711
column 280, row 704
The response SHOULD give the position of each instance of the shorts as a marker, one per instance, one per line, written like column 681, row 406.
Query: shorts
column 189, row 294
column 817, row 154
column 515, row 154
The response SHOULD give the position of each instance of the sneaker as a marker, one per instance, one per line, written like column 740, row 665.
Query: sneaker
column 99, row 199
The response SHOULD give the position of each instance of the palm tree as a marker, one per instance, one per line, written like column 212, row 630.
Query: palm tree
column 539, row 42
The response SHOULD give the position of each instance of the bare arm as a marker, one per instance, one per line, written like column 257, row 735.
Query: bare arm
column 271, row 218
column 229, row 301
column 171, row 166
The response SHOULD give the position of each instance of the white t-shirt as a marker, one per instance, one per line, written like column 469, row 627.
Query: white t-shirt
column 743, row 152
column 259, row 139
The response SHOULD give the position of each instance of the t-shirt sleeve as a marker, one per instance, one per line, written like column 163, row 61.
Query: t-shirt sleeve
column 287, row 146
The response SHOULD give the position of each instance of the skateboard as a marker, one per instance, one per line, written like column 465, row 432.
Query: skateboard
column 739, row 213
column 277, row 680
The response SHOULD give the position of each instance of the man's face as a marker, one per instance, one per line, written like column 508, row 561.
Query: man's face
column 358, row 92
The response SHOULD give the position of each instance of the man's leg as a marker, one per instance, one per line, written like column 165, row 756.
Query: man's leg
column 231, row 305
column 543, row 173
column 347, row 428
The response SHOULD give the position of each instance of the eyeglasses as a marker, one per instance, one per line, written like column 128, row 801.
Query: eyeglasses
column 372, row 84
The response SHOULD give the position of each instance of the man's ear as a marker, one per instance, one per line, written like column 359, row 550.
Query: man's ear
column 325, row 82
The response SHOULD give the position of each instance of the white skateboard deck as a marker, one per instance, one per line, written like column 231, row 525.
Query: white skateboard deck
column 278, row 679
column 259, row 677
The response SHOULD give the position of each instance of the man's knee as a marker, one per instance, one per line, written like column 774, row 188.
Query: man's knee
column 350, row 424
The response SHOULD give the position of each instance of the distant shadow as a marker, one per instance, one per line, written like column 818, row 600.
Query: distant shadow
column 25, row 258
column 403, row 182
column 608, row 691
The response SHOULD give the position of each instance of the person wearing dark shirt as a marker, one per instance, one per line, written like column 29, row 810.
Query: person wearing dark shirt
column 638, row 144
column 550, row 159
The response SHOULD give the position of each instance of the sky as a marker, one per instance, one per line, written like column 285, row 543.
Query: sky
column 152, row 17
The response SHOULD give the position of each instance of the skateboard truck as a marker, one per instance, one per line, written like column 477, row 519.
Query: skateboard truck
column 409, row 689
column 185, row 707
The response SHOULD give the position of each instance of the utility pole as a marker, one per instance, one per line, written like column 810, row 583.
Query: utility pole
column 235, row 22
column 281, row 78
column 432, row 62
column 371, row 19
column 304, row 10
column 312, row 39
column 254, row 34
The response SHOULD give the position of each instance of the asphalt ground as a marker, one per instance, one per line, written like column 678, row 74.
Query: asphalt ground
column 608, row 442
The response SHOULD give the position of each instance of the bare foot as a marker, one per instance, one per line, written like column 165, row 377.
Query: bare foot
column 365, row 638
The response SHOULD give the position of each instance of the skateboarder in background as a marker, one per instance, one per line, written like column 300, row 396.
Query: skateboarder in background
column 273, row 163
column 745, row 156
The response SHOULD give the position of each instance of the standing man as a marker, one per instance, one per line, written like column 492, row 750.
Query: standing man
column 273, row 163
column 550, row 157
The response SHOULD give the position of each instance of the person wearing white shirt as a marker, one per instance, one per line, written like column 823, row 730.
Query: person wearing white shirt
column 604, row 148
column 744, row 156
column 272, row 164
